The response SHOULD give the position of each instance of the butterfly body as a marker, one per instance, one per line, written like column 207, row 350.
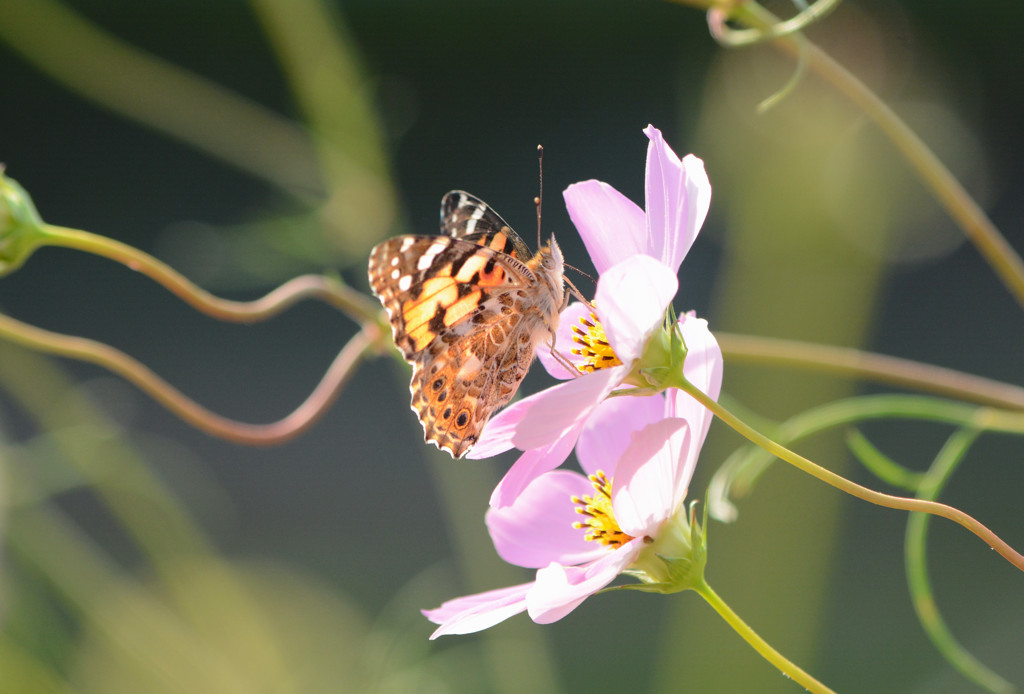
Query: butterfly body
column 467, row 310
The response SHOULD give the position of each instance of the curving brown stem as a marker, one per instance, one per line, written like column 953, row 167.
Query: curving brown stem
column 876, row 367
column 198, row 416
column 326, row 289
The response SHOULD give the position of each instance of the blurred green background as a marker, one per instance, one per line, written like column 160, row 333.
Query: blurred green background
column 245, row 143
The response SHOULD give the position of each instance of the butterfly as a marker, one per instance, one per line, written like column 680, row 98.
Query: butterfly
column 467, row 311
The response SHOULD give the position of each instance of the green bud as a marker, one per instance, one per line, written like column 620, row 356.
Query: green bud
column 21, row 228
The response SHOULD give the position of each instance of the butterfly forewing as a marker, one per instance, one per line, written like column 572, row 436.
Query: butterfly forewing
column 430, row 286
column 468, row 217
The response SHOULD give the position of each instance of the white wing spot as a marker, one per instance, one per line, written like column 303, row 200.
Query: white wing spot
column 404, row 283
column 396, row 273
column 477, row 215
column 427, row 259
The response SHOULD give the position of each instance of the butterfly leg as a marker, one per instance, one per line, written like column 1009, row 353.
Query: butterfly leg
column 563, row 360
column 573, row 291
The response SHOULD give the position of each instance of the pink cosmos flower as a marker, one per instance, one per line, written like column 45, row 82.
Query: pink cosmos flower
column 639, row 454
column 637, row 254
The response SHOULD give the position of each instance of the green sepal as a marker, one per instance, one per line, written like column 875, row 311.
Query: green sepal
column 21, row 228
column 661, row 364
column 661, row 573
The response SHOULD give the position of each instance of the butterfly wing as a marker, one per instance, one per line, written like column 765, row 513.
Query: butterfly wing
column 458, row 316
column 465, row 216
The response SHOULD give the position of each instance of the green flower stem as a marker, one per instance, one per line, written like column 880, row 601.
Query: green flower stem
column 369, row 338
column 876, row 367
column 943, row 185
column 739, row 473
column 843, row 484
column 784, row 666
column 331, row 291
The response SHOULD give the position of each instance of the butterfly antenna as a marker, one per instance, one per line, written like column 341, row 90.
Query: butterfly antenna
column 585, row 274
column 539, row 200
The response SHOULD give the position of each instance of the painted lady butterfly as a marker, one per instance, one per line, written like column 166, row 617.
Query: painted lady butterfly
column 467, row 310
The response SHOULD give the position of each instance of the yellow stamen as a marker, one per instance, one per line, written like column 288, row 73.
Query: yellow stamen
column 600, row 518
column 594, row 347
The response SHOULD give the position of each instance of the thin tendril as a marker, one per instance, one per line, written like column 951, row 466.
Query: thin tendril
column 734, row 38
column 918, row 583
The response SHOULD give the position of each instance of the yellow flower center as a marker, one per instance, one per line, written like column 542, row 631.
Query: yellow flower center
column 600, row 518
column 593, row 345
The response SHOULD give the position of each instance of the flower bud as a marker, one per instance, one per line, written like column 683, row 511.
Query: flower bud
column 21, row 228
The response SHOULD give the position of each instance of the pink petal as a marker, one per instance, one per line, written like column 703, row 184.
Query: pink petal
column 531, row 465
column 564, row 407
column 611, row 225
column 558, row 589
column 537, row 528
column 472, row 613
column 569, row 319
column 703, row 365
column 651, row 478
column 678, row 198
column 702, row 368
column 606, row 433
column 631, row 300
column 544, row 417
column 498, row 432
column 497, row 435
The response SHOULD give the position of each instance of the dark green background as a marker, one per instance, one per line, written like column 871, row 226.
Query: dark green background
column 465, row 92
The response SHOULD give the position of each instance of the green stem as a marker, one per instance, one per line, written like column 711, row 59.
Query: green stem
column 880, row 465
column 843, row 484
column 917, row 568
column 741, row 470
column 331, row 291
column 784, row 665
